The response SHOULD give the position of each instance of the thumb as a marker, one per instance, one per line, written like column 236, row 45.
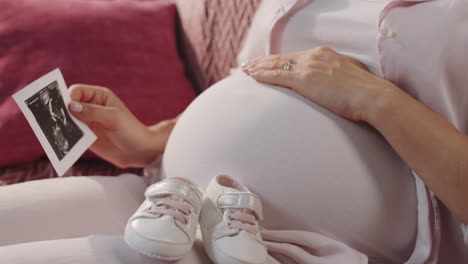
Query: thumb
column 106, row 116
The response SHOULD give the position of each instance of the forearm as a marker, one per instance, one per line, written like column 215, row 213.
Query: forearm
column 428, row 143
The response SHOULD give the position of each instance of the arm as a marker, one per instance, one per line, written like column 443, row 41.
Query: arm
column 428, row 143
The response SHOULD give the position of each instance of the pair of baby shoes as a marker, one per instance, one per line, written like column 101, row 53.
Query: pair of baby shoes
column 165, row 225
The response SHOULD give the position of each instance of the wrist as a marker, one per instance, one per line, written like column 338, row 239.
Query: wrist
column 151, row 147
column 156, row 137
column 140, row 150
column 381, row 102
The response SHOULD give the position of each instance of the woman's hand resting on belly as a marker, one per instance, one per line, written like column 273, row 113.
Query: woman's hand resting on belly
column 433, row 148
column 122, row 139
column 338, row 82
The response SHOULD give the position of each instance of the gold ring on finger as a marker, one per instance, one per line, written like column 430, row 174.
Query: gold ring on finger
column 288, row 65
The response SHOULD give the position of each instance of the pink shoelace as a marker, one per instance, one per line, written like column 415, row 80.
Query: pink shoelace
column 174, row 207
column 244, row 221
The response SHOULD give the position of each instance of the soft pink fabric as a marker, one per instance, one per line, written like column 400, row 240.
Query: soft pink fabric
column 98, row 249
column 95, row 249
column 128, row 46
column 297, row 247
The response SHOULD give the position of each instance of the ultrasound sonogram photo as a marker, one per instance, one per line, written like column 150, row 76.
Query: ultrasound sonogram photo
column 48, row 107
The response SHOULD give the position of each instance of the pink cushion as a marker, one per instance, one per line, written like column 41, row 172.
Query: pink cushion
column 126, row 45
column 213, row 32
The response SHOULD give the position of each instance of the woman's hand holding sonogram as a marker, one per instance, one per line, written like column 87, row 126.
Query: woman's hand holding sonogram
column 122, row 139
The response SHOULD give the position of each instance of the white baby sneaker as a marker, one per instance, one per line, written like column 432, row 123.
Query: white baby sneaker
column 228, row 222
column 164, row 226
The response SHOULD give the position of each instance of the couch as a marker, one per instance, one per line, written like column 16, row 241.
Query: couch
column 209, row 36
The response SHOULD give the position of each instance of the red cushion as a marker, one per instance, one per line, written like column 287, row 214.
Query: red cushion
column 126, row 45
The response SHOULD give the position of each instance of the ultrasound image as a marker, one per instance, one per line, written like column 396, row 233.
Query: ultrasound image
column 51, row 114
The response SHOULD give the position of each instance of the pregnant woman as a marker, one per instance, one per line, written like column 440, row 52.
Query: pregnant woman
column 352, row 129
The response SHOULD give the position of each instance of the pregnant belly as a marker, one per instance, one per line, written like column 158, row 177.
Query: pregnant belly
column 313, row 170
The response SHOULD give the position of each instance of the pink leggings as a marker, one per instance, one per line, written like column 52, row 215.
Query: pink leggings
column 72, row 220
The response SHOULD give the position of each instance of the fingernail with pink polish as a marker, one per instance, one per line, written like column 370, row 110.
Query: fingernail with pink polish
column 252, row 70
column 245, row 64
column 76, row 107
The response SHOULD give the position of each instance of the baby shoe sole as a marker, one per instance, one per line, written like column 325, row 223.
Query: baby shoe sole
column 225, row 259
column 146, row 246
